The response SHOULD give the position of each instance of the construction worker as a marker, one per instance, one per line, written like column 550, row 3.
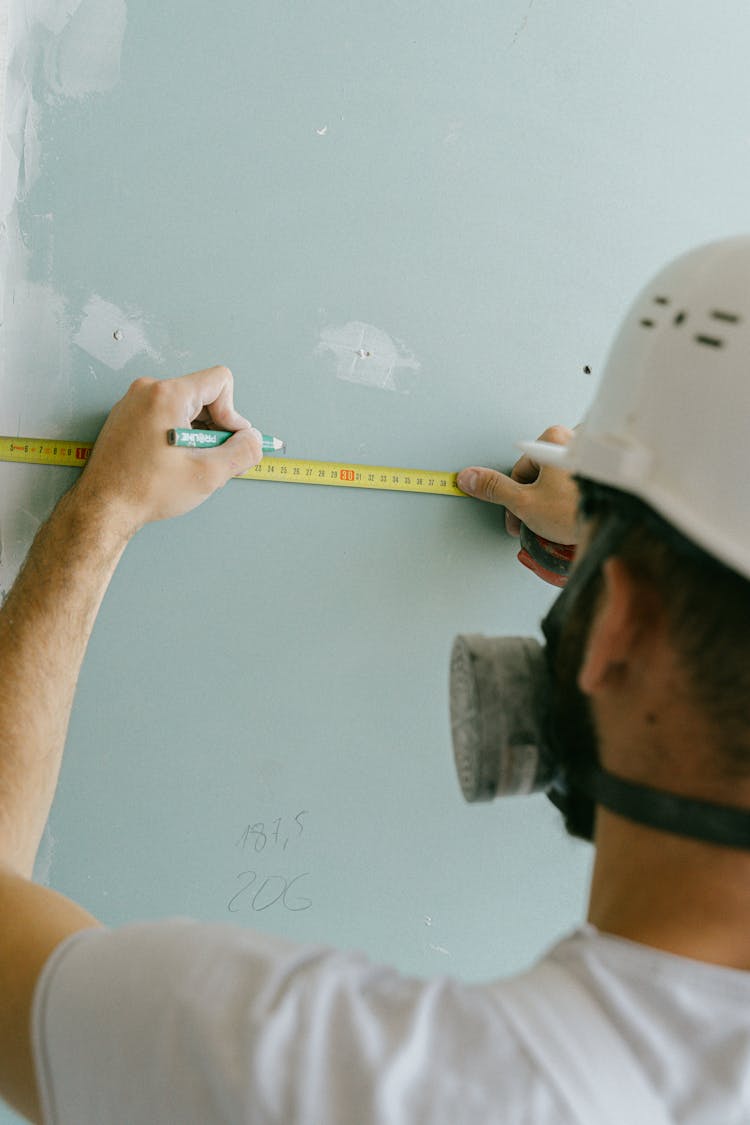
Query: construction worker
column 642, row 1014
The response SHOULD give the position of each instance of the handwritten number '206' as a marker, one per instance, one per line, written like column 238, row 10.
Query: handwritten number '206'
column 258, row 902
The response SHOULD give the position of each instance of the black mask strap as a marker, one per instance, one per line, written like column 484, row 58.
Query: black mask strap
column 668, row 812
column 564, row 791
column 605, row 543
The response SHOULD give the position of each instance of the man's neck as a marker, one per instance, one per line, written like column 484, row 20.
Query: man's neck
column 682, row 896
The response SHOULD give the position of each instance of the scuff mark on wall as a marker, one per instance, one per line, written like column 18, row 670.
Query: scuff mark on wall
column 453, row 132
column 522, row 27
column 367, row 355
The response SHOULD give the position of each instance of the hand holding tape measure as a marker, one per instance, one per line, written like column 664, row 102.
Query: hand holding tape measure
column 135, row 450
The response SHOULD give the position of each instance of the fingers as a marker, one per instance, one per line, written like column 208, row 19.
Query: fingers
column 488, row 484
column 242, row 451
column 212, row 391
column 512, row 524
column 147, row 479
column 212, row 400
column 545, row 499
column 525, row 471
column 496, row 488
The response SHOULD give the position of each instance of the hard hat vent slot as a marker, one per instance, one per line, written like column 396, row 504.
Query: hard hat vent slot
column 680, row 317
column 647, row 321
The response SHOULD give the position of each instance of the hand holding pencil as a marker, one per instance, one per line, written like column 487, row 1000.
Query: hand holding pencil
column 140, row 477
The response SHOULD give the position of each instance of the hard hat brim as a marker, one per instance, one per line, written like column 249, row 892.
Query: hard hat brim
column 549, row 453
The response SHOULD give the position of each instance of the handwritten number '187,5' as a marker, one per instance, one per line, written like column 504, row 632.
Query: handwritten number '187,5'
column 262, row 835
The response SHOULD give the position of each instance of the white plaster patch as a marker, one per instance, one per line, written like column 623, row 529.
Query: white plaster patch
column 37, row 360
column 55, row 49
column 367, row 355
column 76, row 46
column 36, row 400
column 110, row 335
column 84, row 56
column 21, row 150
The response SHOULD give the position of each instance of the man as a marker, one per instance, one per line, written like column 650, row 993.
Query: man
column 182, row 1022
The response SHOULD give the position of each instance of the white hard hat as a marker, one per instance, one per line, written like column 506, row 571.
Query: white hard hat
column 670, row 422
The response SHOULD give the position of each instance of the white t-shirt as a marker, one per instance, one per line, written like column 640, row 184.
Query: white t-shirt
column 184, row 1023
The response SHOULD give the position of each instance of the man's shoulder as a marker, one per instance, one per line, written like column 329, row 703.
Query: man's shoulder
column 290, row 1021
column 286, row 1020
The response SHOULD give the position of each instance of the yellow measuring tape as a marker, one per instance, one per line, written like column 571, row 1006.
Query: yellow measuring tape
column 340, row 474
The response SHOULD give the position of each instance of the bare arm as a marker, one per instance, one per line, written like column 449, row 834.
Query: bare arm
column 134, row 477
column 44, row 629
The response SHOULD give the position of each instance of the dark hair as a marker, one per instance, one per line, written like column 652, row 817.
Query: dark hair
column 708, row 611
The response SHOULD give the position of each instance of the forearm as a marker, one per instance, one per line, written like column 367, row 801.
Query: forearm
column 132, row 478
column 45, row 625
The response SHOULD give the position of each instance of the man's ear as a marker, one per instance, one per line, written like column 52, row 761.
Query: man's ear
column 616, row 627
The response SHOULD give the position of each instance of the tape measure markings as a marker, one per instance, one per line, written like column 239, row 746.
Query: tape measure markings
column 45, row 451
column 74, row 454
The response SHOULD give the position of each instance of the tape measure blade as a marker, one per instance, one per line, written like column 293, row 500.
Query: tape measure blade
column 45, row 451
column 340, row 474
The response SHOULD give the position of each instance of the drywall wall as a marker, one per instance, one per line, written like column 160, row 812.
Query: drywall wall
column 409, row 229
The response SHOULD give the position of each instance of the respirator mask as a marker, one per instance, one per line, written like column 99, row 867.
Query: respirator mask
column 521, row 725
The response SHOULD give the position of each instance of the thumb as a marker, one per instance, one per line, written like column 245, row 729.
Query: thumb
column 242, row 451
column 490, row 485
column 496, row 488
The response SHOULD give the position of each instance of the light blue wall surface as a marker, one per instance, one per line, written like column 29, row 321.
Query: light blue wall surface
column 482, row 187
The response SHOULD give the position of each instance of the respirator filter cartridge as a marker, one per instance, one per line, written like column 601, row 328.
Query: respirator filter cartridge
column 499, row 690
